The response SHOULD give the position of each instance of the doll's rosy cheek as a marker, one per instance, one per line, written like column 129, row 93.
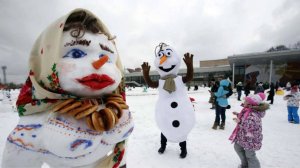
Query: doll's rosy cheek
column 66, row 68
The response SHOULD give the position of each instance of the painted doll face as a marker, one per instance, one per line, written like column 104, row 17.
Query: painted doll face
column 167, row 61
column 88, row 65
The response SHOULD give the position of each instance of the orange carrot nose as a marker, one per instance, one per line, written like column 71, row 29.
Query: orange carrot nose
column 100, row 62
column 162, row 59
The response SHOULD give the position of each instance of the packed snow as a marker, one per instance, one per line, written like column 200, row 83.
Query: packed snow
column 207, row 148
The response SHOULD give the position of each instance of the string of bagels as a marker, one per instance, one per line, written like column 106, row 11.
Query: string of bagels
column 98, row 120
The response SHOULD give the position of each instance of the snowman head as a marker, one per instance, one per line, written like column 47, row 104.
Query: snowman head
column 167, row 62
column 87, row 67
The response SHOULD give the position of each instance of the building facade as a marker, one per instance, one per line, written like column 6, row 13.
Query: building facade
column 282, row 66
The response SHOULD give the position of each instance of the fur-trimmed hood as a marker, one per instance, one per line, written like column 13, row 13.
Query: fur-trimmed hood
column 262, row 107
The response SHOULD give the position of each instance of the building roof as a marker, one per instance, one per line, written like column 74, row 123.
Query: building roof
column 265, row 57
column 214, row 63
column 182, row 71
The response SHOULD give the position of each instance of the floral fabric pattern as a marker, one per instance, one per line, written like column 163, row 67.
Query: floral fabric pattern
column 250, row 135
column 293, row 100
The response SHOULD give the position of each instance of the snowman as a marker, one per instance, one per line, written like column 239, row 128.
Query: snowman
column 72, row 107
column 174, row 113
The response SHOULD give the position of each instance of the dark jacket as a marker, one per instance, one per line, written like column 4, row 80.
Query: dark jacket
column 272, row 90
column 239, row 88
column 247, row 89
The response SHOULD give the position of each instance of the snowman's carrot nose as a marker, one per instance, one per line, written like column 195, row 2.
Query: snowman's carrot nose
column 162, row 59
column 100, row 62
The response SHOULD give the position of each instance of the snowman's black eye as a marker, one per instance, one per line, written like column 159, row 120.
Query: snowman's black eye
column 169, row 52
column 160, row 54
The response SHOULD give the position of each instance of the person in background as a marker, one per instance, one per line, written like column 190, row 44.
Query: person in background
column 247, row 135
column 266, row 85
column 224, row 91
column 239, row 88
column 277, row 85
column 288, row 86
column 259, row 88
column 293, row 104
column 212, row 91
column 271, row 93
column 247, row 88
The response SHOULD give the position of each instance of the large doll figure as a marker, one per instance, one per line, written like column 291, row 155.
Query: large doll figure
column 174, row 113
column 72, row 107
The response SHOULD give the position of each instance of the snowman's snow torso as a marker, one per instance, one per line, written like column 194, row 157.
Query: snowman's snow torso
column 174, row 112
column 63, row 140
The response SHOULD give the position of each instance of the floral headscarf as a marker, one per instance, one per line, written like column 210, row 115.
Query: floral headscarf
column 42, row 88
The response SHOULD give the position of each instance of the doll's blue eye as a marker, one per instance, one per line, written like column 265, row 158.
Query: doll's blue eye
column 75, row 53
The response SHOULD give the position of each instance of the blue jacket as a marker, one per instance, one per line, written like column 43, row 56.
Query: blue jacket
column 221, row 93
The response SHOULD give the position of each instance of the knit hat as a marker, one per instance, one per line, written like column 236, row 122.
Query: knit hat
column 255, row 99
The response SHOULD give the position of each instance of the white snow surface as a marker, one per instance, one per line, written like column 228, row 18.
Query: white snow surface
column 207, row 148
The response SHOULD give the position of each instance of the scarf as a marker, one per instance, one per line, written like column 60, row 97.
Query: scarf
column 244, row 113
column 169, row 85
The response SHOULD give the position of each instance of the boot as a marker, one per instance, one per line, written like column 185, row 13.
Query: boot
column 222, row 126
column 215, row 126
column 162, row 149
column 183, row 149
column 163, row 144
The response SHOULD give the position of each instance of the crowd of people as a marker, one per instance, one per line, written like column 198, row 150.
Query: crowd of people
column 247, row 136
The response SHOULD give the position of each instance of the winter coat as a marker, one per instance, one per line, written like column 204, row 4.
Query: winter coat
column 221, row 93
column 214, row 88
column 259, row 89
column 239, row 88
column 293, row 99
column 272, row 90
column 247, row 89
column 248, row 132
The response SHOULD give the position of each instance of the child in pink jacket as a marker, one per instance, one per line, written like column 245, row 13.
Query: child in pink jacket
column 247, row 136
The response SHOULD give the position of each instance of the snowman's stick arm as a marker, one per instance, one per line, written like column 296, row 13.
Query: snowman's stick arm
column 188, row 59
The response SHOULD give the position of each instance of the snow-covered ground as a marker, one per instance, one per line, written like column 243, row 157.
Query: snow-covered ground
column 207, row 148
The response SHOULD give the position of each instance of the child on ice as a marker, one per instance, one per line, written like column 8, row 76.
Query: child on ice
column 247, row 136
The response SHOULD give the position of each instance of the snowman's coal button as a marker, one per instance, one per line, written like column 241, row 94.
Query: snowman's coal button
column 174, row 104
column 175, row 123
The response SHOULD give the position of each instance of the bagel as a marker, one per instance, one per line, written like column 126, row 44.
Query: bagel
column 113, row 118
column 97, row 122
column 124, row 106
column 118, row 101
column 114, row 105
column 69, row 107
column 62, row 104
column 80, row 109
column 89, row 122
column 116, row 118
column 86, row 112
column 113, row 95
column 108, row 118
column 114, row 98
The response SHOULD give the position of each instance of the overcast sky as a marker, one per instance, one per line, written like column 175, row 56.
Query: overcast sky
column 210, row 29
